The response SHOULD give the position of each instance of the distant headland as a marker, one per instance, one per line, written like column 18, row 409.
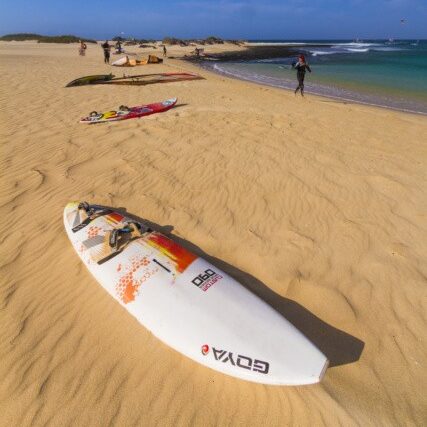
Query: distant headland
column 129, row 41
column 45, row 39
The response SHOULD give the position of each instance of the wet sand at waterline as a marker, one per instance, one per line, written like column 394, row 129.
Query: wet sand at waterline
column 317, row 206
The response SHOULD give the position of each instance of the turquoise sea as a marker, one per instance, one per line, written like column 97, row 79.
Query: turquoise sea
column 390, row 73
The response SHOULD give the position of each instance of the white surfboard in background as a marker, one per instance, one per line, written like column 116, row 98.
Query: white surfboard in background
column 188, row 303
column 120, row 61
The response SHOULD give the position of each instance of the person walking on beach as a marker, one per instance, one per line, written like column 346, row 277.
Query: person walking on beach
column 165, row 53
column 301, row 67
column 106, row 47
column 82, row 48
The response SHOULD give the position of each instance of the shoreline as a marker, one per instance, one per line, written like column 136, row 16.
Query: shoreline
column 239, row 64
column 322, row 90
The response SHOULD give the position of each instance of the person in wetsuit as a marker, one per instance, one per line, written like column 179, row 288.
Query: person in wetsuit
column 301, row 67
column 106, row 46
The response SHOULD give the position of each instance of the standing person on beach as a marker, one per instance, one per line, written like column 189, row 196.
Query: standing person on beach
column 106, row 46
column 119, row 47
column 165, row 53
column 301, row 67
column 82, row 48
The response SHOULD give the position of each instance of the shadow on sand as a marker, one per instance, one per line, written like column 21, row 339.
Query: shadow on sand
column 338, row 346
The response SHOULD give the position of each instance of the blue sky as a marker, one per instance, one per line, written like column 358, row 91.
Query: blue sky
column 242, row 19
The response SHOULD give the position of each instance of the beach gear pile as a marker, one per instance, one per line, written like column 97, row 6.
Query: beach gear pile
column 132, row 62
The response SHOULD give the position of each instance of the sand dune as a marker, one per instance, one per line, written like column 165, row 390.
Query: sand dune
column 317, row 206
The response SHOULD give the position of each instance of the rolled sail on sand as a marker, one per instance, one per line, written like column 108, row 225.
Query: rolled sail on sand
column 132, row 62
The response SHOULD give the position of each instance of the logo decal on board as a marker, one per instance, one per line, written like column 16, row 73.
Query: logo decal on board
column 206, row 279
column 240, row 361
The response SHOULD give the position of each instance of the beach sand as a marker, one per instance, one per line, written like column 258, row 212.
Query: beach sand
column 318, row 206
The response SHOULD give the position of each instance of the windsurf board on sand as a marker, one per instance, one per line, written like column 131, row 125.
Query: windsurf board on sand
column 188, row 303
column 124, row 113
column 137, row 80
column 121, row 61
column 87, row 80
column 146, row 79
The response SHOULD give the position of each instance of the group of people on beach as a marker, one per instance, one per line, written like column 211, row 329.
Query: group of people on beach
column 118, row 46
column 106, row 47
column 301, row 65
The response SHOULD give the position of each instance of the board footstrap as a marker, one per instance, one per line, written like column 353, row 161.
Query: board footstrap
column 120, row 238
column 92, row 213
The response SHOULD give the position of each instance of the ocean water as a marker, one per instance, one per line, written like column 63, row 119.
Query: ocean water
column 389, row 73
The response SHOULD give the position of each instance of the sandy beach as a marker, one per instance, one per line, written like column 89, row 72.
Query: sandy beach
column 317, row 206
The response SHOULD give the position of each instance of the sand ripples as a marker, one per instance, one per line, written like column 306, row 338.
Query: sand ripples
column 314, row 204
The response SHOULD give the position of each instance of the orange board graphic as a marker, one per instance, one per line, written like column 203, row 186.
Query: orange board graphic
column 175, row 252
